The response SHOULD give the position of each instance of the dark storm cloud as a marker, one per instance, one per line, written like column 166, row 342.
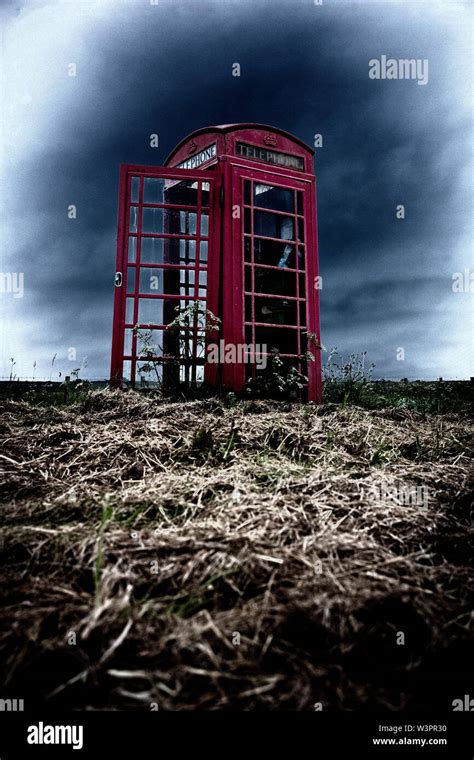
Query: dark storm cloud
column 167, row 70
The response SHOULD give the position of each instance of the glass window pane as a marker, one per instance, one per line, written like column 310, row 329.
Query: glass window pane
column 198, row 319
column 186, row 282
column 131, row 280
column 152, row 219
column 205, row 194
column 247, row 220
column 302, row 286
column 187, row 276
column 204, row 224
column 188, row 222
column 150, row 311
column 151, row 281
column 274, row 282
column 275, row 311
column 247, row 249
column 167, row 251
column 248, row 309
column 182, row 193
column 132, row 249
column 186, row 250
column 169, row 312
column 177, row 221
column 134, row 189
column 200, row 345
column 274, row 254
column 273, row 225
column 149, row 342
column 301, row 230
column 152, row 250
column 279, row 339
column 149, row 374
column 248, row 278
column 129, row 307
column 203, row 251
column 303, row 313
column 167, row 281
column 171, row 221
column 299, row 202
column 153, row 190
column 127, row 344
column 277, row 198
column 247, row 192
column 301, row 257
column 133, row 218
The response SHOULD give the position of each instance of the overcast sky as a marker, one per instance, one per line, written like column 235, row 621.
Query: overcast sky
column 167, row 69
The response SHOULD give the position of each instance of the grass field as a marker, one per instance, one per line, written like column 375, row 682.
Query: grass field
column 225, row 554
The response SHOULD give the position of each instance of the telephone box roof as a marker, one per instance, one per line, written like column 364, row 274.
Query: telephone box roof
column 223, row 128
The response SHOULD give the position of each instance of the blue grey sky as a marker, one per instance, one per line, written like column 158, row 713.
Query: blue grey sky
column 166, row 68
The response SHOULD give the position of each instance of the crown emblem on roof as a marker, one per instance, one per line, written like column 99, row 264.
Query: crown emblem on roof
column 270, row 139
column 192, row 146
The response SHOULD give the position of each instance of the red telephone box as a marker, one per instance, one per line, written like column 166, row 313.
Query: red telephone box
column 228, row 224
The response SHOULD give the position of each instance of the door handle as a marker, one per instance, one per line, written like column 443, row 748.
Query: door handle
column 118, row 279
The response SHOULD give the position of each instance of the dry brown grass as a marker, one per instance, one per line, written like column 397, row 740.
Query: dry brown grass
column 214, row 558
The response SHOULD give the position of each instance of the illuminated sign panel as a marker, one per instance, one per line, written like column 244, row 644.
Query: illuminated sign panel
column 270, row 156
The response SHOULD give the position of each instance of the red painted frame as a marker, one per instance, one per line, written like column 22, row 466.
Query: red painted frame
column 234, row 269
column 226, row 171
column 123, row 264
